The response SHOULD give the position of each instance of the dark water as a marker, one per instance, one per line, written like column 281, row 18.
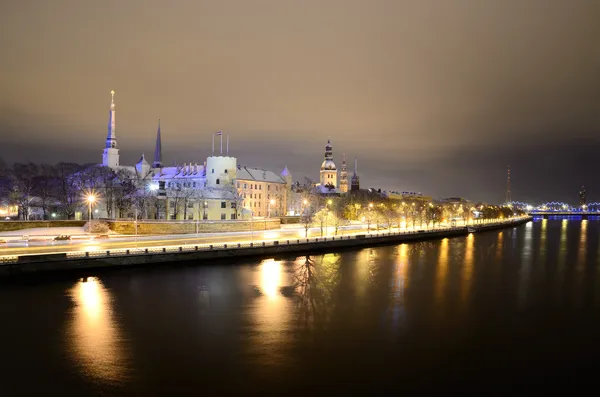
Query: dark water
column 490, row 312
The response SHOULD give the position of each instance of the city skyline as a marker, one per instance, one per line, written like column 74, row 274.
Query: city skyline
column 434, row 99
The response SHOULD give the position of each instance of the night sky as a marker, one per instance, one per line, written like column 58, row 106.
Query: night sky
column 431, row 96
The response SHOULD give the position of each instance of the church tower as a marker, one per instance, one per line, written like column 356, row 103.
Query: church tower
column 158, row 150
column 344, row 176
column 328, row 170
column 355, row 186
column 110, row 156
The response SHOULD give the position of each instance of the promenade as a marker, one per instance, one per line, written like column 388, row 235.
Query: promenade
column 195, row 249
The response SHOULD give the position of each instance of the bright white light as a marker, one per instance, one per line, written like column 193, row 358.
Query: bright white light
column 153, row 187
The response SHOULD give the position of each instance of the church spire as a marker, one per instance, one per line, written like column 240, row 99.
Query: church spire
column 158, row 150
column 110, row 156
column 111, row 137
column 344, row 175
column 355, row 185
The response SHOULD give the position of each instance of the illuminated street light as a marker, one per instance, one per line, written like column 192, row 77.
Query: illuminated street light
column 91, row 199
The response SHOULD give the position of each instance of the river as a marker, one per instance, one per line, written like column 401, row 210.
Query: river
column 489, row 312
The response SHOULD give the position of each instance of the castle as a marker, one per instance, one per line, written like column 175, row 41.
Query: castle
column 217, row 188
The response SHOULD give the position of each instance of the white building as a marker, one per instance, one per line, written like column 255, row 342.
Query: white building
column 213, row 189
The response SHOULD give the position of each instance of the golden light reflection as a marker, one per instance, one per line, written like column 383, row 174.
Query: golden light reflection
column 562, row 247
column 499, row 245
column 398, row 288
column 467, row 269
column 270, row 314
column 270, row 276
column 543, row 246
column 94, row 335
column 582, row 242
column 442, row 271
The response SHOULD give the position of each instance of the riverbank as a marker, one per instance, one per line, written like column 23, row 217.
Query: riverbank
column 83, row 260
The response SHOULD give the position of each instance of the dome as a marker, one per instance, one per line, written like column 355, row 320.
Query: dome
column 328, row 165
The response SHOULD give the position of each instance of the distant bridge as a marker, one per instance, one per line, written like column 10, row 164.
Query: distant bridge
column 557, row 208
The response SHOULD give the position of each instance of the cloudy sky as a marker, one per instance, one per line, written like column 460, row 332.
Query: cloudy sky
column 432, row 96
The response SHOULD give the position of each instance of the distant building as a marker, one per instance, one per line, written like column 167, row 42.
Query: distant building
column 407, row 196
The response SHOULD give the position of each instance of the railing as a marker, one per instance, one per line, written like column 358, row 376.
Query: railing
column 186, row 248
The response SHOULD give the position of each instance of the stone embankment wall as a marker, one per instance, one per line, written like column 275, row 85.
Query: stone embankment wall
column 188, row 227
column 8, row 226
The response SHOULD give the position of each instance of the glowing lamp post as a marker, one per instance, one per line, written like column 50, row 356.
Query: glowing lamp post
column 91, row 199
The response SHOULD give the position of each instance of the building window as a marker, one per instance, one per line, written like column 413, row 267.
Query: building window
column 194, row 184
column 244, row 195
column 268, row 187
column 259, row 187
column 233, row 216
column 190, row 217
column 259, row 213
column 255, row 186
column 161, row 185
column 259, row 196
column 225, row 171
column 190, row 204
column 205, row 216
column 223, row 217
column 213, row 171
column 245, row 186
column 223, row 204
column 218, row 181
column 268, row 196
column 173, row 217
column 233, row 204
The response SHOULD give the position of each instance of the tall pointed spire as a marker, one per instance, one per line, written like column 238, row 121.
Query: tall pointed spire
column 111, row 137
column 344, row 175
column 355, row 185
column 158, row 150
column 110, row 156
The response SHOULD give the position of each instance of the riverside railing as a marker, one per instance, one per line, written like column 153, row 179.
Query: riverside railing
column 187, row 248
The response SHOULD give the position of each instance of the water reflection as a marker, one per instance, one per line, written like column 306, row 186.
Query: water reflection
column 582, row 242
column 269, row 314
column 442, row 272
column 399, row 285
column 94, row 336
column 467, row 267
column 543, row 247
column 526, row 259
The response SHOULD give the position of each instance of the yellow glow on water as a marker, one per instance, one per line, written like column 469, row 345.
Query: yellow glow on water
column 93, row 334
column 467, row 268
column 270, row 276
column 442, row 271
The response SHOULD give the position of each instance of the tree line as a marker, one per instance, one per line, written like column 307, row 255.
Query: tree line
column 381, row 212
column 61, row 189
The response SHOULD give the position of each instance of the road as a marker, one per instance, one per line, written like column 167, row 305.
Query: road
column 47, row 247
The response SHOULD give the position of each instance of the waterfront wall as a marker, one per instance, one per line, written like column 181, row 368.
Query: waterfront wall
column 188, row 227
column 28, row 264
column 8, row 226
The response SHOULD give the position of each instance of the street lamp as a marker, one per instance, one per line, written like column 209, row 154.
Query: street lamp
column 91, row 199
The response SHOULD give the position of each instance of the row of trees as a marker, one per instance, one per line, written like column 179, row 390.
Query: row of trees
column 383, row 213
column 61, row 189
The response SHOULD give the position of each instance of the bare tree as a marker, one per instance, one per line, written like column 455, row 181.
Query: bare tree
column 45, row 188
column 68, row 192
column 24, row 176
column 236, row 198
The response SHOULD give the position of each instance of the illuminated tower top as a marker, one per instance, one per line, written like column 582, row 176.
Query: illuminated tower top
column 111, row 137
